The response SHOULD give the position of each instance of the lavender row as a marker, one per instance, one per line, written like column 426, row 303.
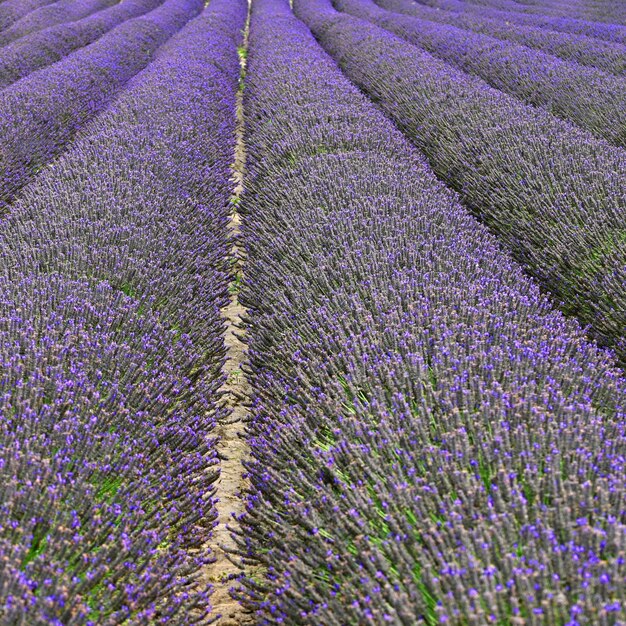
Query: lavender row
column 12, row 10
column 603, row 55
column 608, row 32
column 50, row 45
column 430, row 441
column 42, row 112
column 114, row 272
column 587, row 10
column 544, row 8
column 57, row 13
column 584, row 96
column 554, row 194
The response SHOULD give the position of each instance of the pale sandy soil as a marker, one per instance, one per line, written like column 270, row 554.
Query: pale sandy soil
column 232, row 447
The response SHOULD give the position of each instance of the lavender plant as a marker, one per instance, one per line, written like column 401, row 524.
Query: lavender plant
column 50, row 45
column 114, row 271
column 580, row 9
column 604, row 55
column 431, row 442
column 42, row 112
column 607, row 32
column 553, row 194
column 12, row 10
column 587, row 97
column 50, row 15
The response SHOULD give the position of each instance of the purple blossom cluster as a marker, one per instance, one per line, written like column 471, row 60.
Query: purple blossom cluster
column 111, row 346
column 42, row 112
column 607, row 32
column 585, row 96
column 589, row 10
column 554, row 194
column 13, row 10
column 52, row 14
column 430, row 441
column 48, row 46
column 604, row 55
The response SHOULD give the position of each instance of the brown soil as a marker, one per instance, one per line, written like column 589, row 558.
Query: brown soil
column 232, row 446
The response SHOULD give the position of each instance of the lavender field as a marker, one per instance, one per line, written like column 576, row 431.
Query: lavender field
column 313, row 312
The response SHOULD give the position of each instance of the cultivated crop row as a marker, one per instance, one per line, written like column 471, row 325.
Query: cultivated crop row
column 555, row 195
column 607, row 32
column 604, row 55
column 13, row 10
column 113, row 275
column 585, row 96
column 431, row 442
column 56, row 13
column 430, row 439
column 50, row 45
column 594, row 10
column 42, row 112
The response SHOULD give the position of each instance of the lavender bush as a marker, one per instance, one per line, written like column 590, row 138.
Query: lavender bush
column 431, row 442
column 585, row 96
column 47, row 16
column 555, row 195
column 607, row 32
column 50, row 45
column 603, row 55
column 12, row 10
column 603, row 11
column 42, row 112
column 114, row 271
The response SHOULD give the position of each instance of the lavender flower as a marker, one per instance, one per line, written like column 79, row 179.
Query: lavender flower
column 43, row 112
column 564, row 24
column 554, row 194
column 12, row 10
column 47, row 16
column 587, row 97
column 603, row 55
column 50, row 45
column 431, row 441
column 114, row 272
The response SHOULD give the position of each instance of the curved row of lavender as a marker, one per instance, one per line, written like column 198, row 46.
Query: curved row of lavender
column 554, row 194
column 558, row 8
column 114, row 272
column 607, row 32
column 50, row 15
column 430, row 441
column 588, row 10
column 13, row 10
column 45, row 47
column 521, row 7
column 43, row 111
column 587, row 97
column 604, row 11
column 604, row 55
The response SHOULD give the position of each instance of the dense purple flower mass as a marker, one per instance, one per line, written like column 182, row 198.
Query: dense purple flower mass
column 565, row 24
column 591, row 10
column 428, row 439
column 57, row 13
column 12, row 10
column 50, row 45
column 585, row 96
column 42, row 112
column 554, row 194
column 112, row 278
column 431, row 442
column 604, row 55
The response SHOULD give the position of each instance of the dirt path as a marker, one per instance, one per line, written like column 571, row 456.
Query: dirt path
column 233, row 448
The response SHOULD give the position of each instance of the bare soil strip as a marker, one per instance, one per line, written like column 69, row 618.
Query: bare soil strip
column 232, row 447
